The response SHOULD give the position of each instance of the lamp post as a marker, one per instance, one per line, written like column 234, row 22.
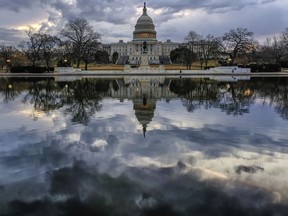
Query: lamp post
column 65, row 62
column 8, row 65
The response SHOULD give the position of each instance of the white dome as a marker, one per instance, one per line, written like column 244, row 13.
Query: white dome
column 145, row 19
column 144, row 28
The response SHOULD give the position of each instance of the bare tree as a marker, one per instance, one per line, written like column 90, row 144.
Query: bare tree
column 65, row 51
column 273, row 50
column 89, row 52
column 6, row 53
column 204, row 47
column 32, row 47
column 194, row 41
column 80, row 33
column 39, row 47
column 284, row 36
column 191, row 38
column 208, row 49
column 255, row 56
column 237, row 41
column 284, row 39
column 49, row 44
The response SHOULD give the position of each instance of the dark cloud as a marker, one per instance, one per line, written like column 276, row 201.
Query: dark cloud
column 11, row 36
column 17, row 5
column 212, row 6
column 121, row 12
column 121, row 7
column 79, row 190
column 117, row 12
column 217, row 16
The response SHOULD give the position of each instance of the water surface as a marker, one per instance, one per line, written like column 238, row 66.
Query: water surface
column 143, row 146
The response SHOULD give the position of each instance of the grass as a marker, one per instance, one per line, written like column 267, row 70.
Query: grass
column 195, row 66
column 102, row 67
column 95, row 67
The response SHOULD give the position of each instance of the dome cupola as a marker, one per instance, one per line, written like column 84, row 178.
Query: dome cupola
column 144, row 28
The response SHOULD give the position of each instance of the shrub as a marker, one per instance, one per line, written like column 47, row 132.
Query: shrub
column 284, row 64
column 265, row 67
column 30, row 69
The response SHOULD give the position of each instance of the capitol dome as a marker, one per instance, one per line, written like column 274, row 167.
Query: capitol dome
column 144, row 28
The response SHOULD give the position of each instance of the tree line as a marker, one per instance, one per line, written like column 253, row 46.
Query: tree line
column 78, row 42
column 81, row 99
column 237, row 46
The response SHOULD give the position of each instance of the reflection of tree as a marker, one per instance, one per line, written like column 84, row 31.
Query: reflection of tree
column 275, row 92
column 80, row 98
column 232, row 98
column 240, row 100
column 200, row 95
column 83, row 98
column 282, row 105
column 44, row 95
column 8, row 90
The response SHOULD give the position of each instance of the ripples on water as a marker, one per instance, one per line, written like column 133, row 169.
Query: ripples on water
column 145, row 147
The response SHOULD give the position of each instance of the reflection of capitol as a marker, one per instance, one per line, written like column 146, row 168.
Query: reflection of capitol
column 144, row 92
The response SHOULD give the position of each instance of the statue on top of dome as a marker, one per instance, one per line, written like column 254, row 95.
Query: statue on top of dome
column 145, row 9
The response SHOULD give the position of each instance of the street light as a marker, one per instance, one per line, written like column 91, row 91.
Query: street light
column 65, row 63
column 8, row 64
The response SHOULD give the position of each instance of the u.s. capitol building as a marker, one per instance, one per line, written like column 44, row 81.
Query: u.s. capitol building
column 130, row 52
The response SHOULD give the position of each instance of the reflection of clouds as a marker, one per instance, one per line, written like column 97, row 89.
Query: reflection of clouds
column 16, row 114
column 181, row 150
column 212, row 152
column 99, row 145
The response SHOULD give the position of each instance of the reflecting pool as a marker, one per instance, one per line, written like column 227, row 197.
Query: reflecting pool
column 144, row 146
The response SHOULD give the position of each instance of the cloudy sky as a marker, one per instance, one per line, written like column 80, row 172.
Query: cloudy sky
column 115, row 19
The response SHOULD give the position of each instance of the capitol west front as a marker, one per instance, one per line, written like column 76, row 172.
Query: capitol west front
column 131, row 52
